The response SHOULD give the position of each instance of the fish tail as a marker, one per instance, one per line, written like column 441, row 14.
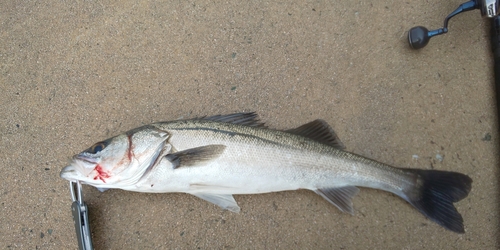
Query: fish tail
column 434, row 194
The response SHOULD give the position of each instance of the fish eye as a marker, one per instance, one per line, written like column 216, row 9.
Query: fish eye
column 96, row 148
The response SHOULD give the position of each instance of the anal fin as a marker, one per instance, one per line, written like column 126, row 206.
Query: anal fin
column 341, row 197
column 225, row 201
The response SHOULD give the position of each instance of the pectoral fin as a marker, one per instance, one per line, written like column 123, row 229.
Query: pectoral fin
column 195, row 156
column 225, row 201
column 340, row 197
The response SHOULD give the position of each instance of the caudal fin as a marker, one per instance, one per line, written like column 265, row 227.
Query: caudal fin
column 434, row 195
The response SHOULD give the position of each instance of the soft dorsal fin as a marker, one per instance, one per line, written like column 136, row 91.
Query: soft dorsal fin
column 247, row 119
column 195, row 156
column 319, row 131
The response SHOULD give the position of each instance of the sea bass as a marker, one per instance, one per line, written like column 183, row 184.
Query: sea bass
column 215, row 157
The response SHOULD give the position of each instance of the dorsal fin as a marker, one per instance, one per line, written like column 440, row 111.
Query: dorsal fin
column 247, row 119
column 319, row 131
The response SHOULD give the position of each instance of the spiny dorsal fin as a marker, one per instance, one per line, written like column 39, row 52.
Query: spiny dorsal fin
column 195, row 156
column 247, row 119
column 341, row 197
column 319, row 131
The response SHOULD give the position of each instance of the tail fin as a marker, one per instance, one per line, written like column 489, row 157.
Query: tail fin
column 434, row 194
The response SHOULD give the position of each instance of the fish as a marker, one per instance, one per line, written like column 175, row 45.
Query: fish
column 216, row 157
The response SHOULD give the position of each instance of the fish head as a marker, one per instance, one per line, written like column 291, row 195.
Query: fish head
column 119, row 161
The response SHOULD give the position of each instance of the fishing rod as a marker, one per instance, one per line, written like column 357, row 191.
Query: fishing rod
column 419, row 36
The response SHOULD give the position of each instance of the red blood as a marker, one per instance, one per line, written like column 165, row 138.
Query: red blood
column 129, row 153
column 101, row 174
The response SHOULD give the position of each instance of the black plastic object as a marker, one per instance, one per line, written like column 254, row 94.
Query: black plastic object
column 419, row 36
column 495, row 46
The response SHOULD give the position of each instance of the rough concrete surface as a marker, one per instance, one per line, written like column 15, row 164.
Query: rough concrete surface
column 76, row 72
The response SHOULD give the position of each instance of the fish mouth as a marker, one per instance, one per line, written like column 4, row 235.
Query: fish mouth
column 79, row 167
column 68, row 173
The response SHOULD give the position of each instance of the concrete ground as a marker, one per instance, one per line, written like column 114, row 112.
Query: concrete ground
column 76, row 72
